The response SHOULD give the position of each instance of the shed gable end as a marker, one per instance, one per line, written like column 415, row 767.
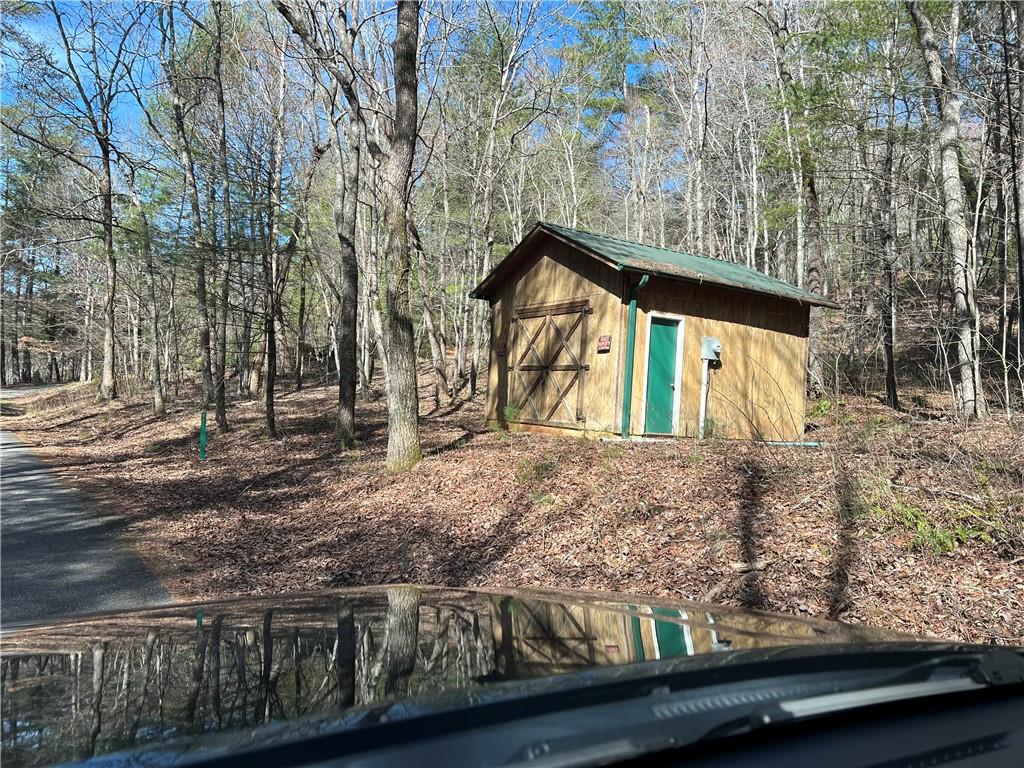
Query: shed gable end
column 547, row 316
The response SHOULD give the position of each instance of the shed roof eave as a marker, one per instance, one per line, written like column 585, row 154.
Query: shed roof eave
column 486, row 288
column 483, row 289
column 819, row 301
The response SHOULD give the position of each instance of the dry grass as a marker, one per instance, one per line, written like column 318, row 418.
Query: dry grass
column 905, row 521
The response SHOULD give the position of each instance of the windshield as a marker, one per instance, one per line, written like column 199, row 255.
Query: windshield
column 356, row 354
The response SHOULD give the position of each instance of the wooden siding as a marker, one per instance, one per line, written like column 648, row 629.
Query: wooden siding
column 759, row 392
column 547, row 638
column 555, row 274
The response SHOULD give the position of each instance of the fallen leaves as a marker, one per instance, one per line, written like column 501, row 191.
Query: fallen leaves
column 797, row 530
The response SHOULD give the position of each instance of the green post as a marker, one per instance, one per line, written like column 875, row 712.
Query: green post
column 202, row 436
column 627, row 386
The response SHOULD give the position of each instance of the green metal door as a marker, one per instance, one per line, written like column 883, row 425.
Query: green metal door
column 661, row 376
column 672, row 640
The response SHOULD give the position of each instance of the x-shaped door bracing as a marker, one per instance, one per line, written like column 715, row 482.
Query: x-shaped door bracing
column 548, row 350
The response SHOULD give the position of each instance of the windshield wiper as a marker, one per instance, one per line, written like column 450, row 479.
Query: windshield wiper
column 663, row 705
column 993, row 668
column 691, row 716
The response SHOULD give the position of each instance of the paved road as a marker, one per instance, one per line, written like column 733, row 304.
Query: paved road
column 59, row 556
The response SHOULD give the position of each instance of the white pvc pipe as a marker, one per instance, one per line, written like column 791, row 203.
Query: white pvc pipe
column 703, row 397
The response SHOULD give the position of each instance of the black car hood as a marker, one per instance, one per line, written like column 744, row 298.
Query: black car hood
column 128, row 681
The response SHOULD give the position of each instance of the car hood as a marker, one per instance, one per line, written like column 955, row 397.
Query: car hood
column 127, row 681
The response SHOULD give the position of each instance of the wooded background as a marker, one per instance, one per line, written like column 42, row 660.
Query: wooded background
column 232, row 198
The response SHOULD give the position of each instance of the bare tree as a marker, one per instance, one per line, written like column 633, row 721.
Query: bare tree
column 342, row 277
column 145, row 240
column 89, row 80
column 169, row 60
column 220, row 397
column 943, row 74
column 401, row 637
column 403, row 398
column 396, row 177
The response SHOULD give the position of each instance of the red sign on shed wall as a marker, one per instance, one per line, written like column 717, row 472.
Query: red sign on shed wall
column 604, row 343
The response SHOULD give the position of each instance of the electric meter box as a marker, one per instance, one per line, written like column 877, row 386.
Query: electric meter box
column 710, row 349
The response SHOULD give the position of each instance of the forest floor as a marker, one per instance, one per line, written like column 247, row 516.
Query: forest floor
column 907, row 521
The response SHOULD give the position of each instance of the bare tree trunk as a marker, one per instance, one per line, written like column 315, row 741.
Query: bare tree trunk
column 300, row 332
column 889, row 255
column 3, row 327
column 220, row 394
column 172, row 321
column 85, row 371
column 944, row 78
column 264, row 703
column 346, row 191
column 269, row 340
column 401, row 639
column 889, row 232
column 108, row 387
column 16, row 325
column 345, row 655
column 813, row 248
column 256, row 370
column 215, row 635
column 403, row 398
column 185, row 153
column 99, row 652
column 192, row 714
column 145, row 236
column 1019, row 193
column 245, row 354
column 367, row 362
column 437, row 350
column 26, row 319
column 271, row 260
column 135, row 322
column 245, row 367
column 1001, row 220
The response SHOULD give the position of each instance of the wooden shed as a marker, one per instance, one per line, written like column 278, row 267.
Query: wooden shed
column 601, row 336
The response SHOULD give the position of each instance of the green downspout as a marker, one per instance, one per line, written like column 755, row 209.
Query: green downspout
column 638, row 638
column 627, row 387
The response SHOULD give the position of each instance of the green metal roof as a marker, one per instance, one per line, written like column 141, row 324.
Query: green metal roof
column 638, row 257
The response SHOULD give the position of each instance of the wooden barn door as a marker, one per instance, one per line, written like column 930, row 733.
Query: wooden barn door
column 547, row 374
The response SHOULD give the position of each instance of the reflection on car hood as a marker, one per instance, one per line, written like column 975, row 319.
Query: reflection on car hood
column 105, row 683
